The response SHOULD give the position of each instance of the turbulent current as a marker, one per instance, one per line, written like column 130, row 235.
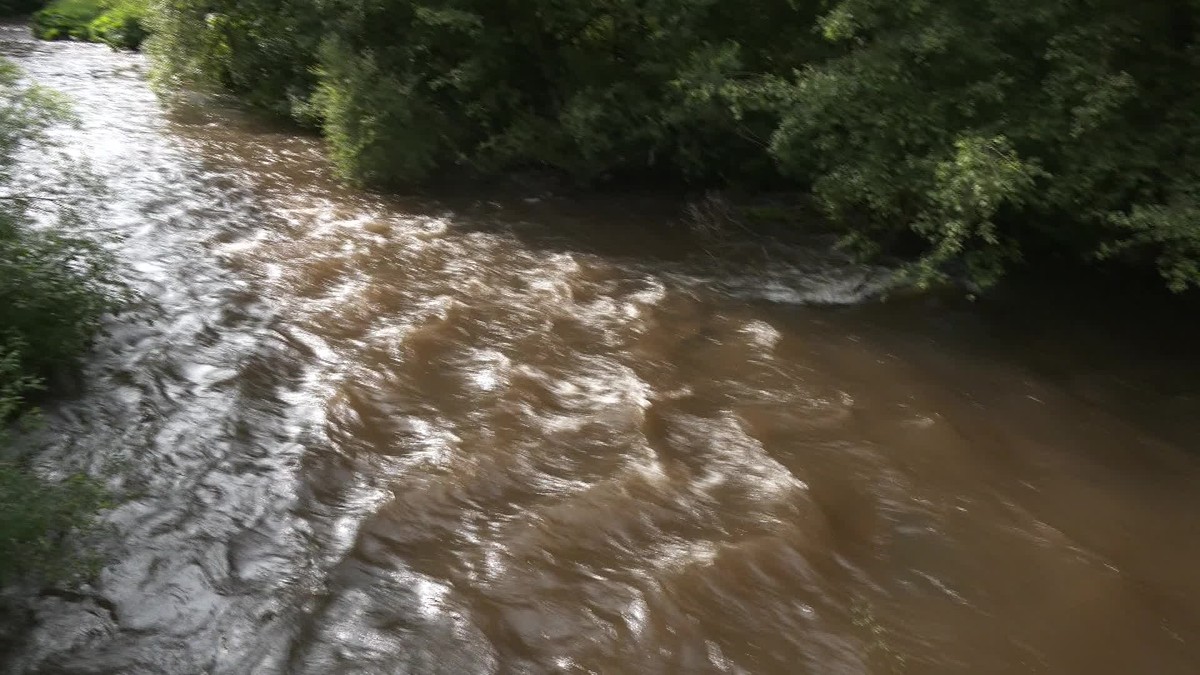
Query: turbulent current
column 356, row 434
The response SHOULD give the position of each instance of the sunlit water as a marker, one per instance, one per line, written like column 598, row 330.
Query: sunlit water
column 361, row 435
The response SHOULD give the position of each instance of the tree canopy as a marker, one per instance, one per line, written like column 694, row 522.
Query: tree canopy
column 971, row 131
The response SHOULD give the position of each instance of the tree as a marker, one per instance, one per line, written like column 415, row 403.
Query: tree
column 983, row 126
column 967, row 133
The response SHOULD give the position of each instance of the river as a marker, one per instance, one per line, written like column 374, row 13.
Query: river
column 355, row 434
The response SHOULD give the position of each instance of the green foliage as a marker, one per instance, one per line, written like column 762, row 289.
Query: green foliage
column 379, row 128
column 25, row 114
column 35, row 514
column 620, row 89
column 117, row 23
column 969, row 188
column 54, row 287
column 34, row 517
column 1084, row 95
column 66, row 19
column 263, row 51
column 1172, row 229
column 54, row 290
column 15, row 381
column 121, row 25
column 965, row 133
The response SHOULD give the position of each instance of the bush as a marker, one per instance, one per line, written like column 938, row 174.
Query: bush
column 54, row 289
column 262, row 51
column 381, row 129
column 966, row 134
column 995, row 128
column 67, row 19
column 117, row 23
column 121, row 25
column 35, row 516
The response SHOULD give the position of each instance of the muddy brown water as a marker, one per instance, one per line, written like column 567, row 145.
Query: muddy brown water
column 357, row 435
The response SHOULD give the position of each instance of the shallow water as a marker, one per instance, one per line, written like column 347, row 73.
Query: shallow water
column 358, row 434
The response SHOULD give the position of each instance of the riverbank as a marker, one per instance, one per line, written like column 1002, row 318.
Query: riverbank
column 1030, row 147
column 451, row 434
column 964, row 139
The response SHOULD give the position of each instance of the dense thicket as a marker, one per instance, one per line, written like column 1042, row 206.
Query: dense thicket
column 978, row 127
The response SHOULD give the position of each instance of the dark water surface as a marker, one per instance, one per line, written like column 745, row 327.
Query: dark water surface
column 369, row 436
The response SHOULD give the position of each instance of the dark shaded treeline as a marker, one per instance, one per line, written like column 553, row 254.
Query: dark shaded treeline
column 978, row 131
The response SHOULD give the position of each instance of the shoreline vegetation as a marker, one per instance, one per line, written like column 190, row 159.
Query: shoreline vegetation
column 968, row 140
column 117, row 23
column 55, row 289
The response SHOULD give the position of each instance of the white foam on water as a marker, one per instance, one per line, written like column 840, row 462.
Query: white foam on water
column 733, row 456
column 677, row 554
column 762, row 334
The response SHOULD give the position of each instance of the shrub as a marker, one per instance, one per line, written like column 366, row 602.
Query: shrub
column 117, row 23
column 35, row 516
column 54, row 289
column 121, row 25
column 67, row 19
column 967, row 134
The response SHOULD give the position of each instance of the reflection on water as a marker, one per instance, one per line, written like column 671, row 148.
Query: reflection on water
column 362, row 435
